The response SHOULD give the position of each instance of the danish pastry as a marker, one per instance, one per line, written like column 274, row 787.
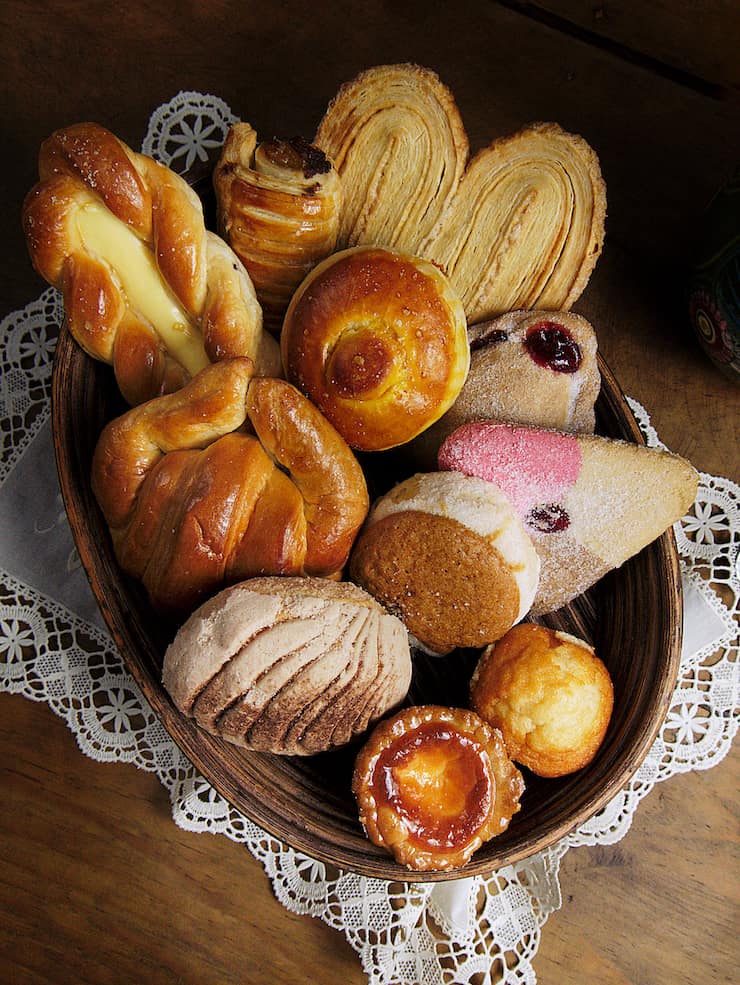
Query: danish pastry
column 589, row 503
column 433, row 784
column 194, row 503
column 377, row 340
column 449, row 555
column 293, row 666
column 146, row 287
column 279, row 204
column 396, row 137
column 548, row 694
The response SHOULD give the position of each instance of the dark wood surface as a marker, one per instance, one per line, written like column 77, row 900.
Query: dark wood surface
column 98, row 884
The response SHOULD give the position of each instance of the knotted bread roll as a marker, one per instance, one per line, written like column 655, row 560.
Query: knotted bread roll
column 193, row 503
column 146, row 287
column 396, row 137
column 279, row 204
column 293, row 666
column 377, row 339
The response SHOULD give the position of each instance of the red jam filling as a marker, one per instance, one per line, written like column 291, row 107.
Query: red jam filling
column 549, row 518
column 490, row 338
column 437, row 781
column 551, row 345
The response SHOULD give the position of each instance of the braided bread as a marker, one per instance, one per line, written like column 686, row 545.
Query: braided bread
column 194, row 504
column 278, row 206
column 146, row 287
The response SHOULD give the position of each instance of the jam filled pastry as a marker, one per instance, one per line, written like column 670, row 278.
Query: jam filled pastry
column 433, row 784
column 279, row 204
column 448, row 554
column 146, row 287
column 396, row 137
column 548, row 694
column 526, row 225
column 195, row 503
column 292, row 666
column 589, row 503
column 376, row 339
column 526, row 367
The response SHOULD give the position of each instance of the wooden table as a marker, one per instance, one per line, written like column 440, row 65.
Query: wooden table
column 98, row 885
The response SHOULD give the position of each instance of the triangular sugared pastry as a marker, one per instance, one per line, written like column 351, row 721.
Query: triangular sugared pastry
column 588, row 502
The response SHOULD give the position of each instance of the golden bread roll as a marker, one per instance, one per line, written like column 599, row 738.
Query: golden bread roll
column 146, row 287
column 193, row 503
column 376, row 339
column 589, row 503
column 433, row 784
column 450, row 557
column 548, row 694
column 279, row 205
column 526, row 225
column 526, row 367
column 397, row 140
column 293, row 666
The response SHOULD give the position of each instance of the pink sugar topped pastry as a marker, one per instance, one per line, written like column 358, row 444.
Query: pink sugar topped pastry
column 588, row 502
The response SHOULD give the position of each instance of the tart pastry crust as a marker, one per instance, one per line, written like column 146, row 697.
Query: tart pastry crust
column 433, row 784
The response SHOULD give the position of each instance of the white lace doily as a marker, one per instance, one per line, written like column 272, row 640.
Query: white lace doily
column 54, row 648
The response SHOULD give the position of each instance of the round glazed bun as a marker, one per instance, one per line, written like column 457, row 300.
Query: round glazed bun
column 294, row 666
column 549, row 695
column 448, row 554
column 377, row 339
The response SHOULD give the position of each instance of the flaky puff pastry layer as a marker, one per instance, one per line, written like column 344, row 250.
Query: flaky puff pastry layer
column 433, row 784
column 279, row 207
column 146, row 287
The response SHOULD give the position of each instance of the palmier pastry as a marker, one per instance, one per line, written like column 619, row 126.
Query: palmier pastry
column 589, row 503
column 396, row 137
column 194, row 504
column 449, row 556
column 146, row 287
column 526, row 225
column 548, row 694
column 526, row 367
column 377, row 339
column 433, row 784
column 293, row 666
column 279, row 205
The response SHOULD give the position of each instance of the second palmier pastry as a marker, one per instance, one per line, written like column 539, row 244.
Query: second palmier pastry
column 146, row 287
column 433, row 784
column 293, row 666
column 548, row 694
column 376, row 339
column 448, row 554
column 526, row 367
column 279, row 205
column 194, row 503
column 589, row 503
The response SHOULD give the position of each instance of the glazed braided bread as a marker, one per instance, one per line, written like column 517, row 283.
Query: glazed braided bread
column 193, row 503
column 146, row 287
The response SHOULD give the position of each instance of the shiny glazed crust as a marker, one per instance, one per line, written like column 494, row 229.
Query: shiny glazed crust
column 548, row 694
column 84, row 169
column 194, row 503
column 279, row 206
column 377, row 340
column 432, row 783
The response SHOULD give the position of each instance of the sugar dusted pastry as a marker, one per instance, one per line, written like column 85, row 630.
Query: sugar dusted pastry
column 396, row 137
column 448, row 554
column 526, row 225
column 293, row 666
column 194, row 502
column 589, row 503
column 279, row 205
column 433, row 784
column 376, row 339
column 146, row 287
column 550, row 696
column 526, row 367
